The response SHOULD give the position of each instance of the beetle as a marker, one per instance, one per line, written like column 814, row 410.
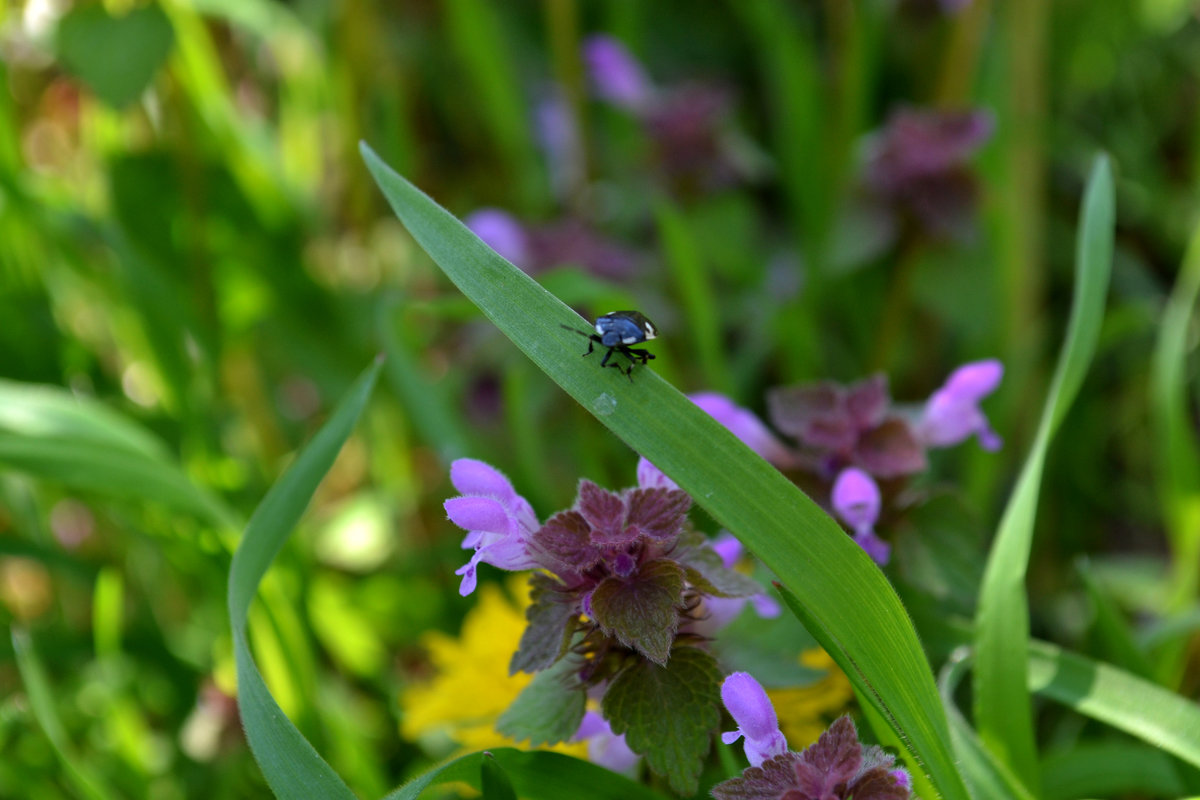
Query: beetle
column 617, row 330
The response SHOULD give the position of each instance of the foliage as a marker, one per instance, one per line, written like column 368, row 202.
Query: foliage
column 224, row 556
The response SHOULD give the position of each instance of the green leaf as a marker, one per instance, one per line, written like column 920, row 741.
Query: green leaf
column 1153, row 714
column 1176, row 443
column 849, row 599
column 1003, row 713
column 548, row 710
column 291, row 765
column 545, row 638
column 116, row 57
column 493, row 780
column 642, row 611
column 537, row 775
column 668, row 714
column 53, row 435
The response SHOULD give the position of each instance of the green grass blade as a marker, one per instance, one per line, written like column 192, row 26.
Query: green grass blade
column 1176, row 445
column 291, row 766
column 1153, row 714
column 1003, row 714
column 53, row 435
column 845, row 596
column 988, row 778
column 41, row 701
column 695, row 291
column 537, row 775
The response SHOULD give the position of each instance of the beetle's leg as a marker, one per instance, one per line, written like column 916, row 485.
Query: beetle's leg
column 638, row 354
column 604, row 361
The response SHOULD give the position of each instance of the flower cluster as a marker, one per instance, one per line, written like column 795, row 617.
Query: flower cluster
column 849, row 438
column 836, row 767
column 687, row 125
column 608, row 548
column 917, row 166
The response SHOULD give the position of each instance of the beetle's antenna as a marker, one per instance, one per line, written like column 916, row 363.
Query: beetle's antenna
column 576, row 330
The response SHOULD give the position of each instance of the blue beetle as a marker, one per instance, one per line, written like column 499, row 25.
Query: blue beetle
column 617, row 330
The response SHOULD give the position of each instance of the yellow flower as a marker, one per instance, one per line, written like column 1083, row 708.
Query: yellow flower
column 471, row 687
column 805, row 711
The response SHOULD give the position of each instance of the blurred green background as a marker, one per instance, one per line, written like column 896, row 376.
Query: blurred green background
column 189, row 242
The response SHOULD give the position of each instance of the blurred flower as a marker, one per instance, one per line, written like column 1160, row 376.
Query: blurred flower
column 836, row 767
column 538, row 248
column 499, row 521
column 857, row 501
column 616, row 75
column 501, row 232
column 741, row 422
column 755, row 717
column 720, row 611
column 471, row 686
column 917, row 165
column 605, row 747
column 693, row 145
column 805, row 711
column 848, row 426
column 952, row 413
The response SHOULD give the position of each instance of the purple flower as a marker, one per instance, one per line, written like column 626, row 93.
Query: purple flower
column 741, row 422
column 605, row 747
column 500, row 231
column 857, row 501
column 723, row 610
column 616, row 74
column 751, row 709
column 538, row 248
column 848, row 425
column 918, row 161
column 499, row 522
column 952, row 413
column 835, row 767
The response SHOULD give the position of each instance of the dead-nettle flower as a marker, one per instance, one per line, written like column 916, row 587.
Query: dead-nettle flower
column 917, row 163
column 687, row 124
column 616, row 75
column 836, row 767
column 845, row 426
column 952, row 413
column 626, row 561
column 856, row 499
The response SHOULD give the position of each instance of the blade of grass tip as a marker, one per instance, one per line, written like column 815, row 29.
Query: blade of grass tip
column 289, row 762
column 1003, row 714
column 1176, row 445
column 844, row 592
column 41, row 702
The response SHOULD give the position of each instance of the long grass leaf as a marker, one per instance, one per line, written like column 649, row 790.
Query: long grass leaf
column 52, row 435
column 1176, row 444
column 1003, row 714
column 1138, row 707
column 843, row 592
column 291, row 765
column 41, row 701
